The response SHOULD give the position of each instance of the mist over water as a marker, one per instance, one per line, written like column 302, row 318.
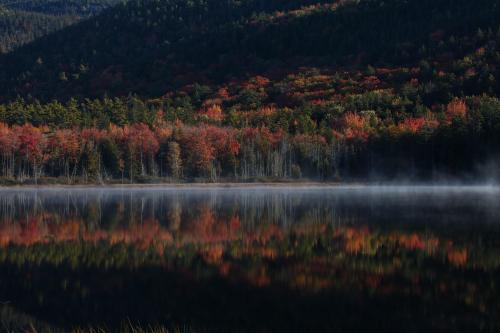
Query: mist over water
column 275, row 258
column 254, row 205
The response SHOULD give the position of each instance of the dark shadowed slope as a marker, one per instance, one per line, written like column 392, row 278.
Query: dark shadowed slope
column 24, row 21
column 147, row 47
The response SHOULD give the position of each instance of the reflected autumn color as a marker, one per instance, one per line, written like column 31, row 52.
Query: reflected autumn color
column 173, row 250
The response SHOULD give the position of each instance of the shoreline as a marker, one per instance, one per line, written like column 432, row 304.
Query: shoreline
column 255, row 185
column 186, row 185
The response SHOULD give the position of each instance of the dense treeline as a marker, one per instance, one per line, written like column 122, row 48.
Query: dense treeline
column 465, row 136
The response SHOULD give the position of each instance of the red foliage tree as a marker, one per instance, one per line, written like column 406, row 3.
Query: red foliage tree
column 64, row 145
column 32, row 145
column 199, row 149
column 142, row 141
column 415, row 125
column 355, row 127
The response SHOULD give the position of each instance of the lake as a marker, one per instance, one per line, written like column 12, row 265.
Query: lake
column 251, row 258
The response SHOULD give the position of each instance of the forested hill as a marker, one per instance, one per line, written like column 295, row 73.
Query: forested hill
column 258, row 89
column 22, row 21
column 150, row 46
column 20, row 27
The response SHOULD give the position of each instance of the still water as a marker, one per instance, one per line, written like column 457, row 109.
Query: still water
column 255, row 258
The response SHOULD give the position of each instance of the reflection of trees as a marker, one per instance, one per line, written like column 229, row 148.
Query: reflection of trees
column 198, row 215
column 308, row 257
column 115, row 209
column 311, row 243
column 174, row 214
column 312, row 258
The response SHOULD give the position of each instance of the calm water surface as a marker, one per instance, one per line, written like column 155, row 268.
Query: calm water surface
column 282, row 206
column 254, row 258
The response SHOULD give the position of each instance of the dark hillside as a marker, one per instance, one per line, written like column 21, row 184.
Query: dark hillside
column 148, row 47
column 24, row 21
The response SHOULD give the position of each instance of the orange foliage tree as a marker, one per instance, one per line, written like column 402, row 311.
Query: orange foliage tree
column 457, row 108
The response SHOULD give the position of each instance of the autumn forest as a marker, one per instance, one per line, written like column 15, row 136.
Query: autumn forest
column 193, row 91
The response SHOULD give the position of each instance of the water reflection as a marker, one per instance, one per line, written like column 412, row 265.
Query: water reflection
column 257, row 255
column 173, row 208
